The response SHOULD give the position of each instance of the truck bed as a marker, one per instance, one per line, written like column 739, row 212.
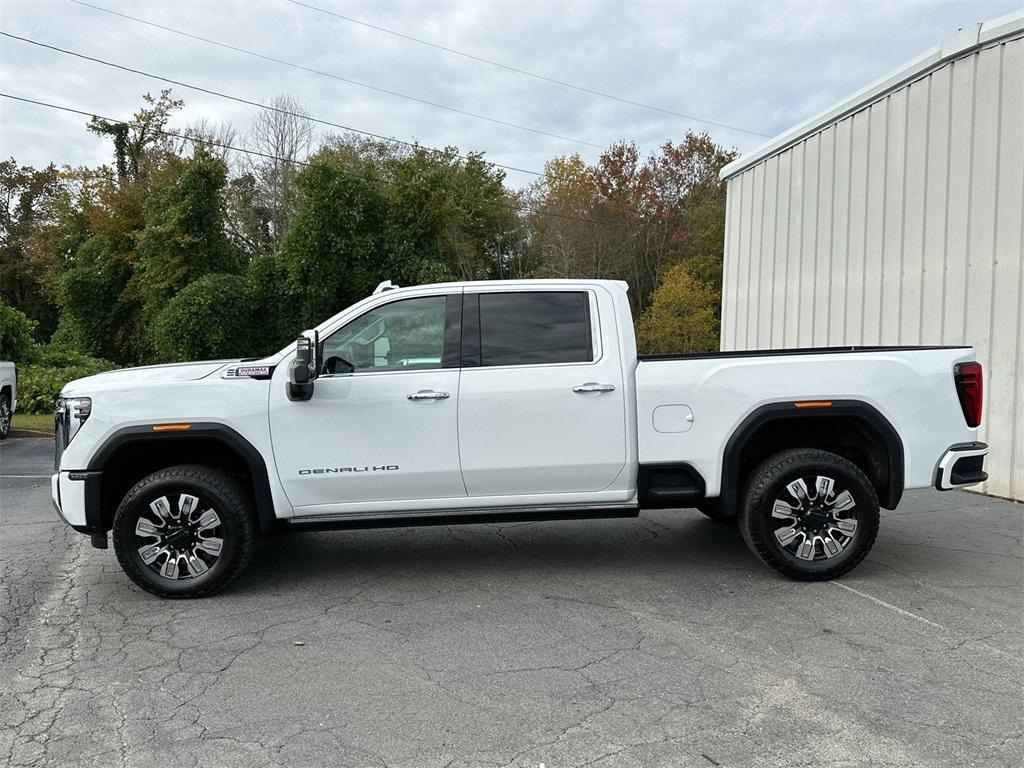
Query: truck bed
column 910, row 387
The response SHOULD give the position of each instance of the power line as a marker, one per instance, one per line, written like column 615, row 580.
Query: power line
column 519, row 71
column 162, row 132
column 199, row 140
column 241, row 100
column 333, row 76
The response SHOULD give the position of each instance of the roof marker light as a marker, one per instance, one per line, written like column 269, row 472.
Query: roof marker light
column 813, row 404
column 171, row 427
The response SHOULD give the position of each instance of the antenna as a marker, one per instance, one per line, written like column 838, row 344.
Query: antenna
column 387, row 285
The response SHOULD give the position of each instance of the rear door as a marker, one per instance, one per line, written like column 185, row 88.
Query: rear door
column 541, row 398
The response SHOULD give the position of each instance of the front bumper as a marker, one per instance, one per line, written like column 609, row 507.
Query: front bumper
column 55, row 495
column 961, row 465
column 75, row 496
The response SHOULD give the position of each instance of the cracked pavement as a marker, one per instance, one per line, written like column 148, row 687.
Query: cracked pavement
column 655, row 641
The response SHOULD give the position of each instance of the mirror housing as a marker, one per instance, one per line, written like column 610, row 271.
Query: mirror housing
column 302, row 371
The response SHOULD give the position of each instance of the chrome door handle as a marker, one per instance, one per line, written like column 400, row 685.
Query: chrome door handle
column 593, row 387
column 428, row 394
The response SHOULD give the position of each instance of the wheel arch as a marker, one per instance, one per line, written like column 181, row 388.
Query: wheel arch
column 850, row 428
column 131, row 453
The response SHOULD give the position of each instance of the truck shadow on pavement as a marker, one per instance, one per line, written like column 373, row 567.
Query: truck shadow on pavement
column 683, row 542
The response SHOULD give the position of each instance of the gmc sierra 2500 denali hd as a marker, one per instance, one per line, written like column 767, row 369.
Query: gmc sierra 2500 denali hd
column 497, row 401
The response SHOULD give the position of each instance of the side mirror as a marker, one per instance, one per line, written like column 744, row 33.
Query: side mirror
column 302, row 371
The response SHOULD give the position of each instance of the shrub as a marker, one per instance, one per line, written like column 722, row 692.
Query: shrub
column 16, row 342
column 40, row 383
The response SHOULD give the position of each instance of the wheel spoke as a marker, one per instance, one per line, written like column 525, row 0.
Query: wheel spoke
column 832, row 547
column 824, row 487
column 211, row 546
column 161, row 508
column 806, row 550
column 782, row 511
column 195, row 566
column 843, row 502
column 785, row 535
column 187, row 505
column 170, row 568
column 208, row 521
column 146, row 527
column 845, row 526
column 799, row 490
column 150, row 552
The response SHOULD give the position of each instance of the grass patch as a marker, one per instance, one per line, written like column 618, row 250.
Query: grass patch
column 32, row 425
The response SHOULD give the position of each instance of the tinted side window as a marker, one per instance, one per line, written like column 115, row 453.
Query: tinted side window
column 535, row 327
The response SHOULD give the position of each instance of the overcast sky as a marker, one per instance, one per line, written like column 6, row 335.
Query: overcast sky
column 762, row 67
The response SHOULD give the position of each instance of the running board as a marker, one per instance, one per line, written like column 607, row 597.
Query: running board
column 463, row 517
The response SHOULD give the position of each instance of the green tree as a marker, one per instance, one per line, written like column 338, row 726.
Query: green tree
column 29, row 206
column 351, row 230
column 16, row 342
column 100, row 310
column 139, row 143
column 682, row 316
column 183, row 235
column 629, row 217
column 213, row 317
column 452, row 209
column 568, row 232
column 445, row 208
column 332, row 254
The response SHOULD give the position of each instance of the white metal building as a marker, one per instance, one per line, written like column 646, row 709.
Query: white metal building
column 896, row 218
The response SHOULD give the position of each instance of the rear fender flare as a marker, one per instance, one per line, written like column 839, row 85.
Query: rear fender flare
column 889, row 496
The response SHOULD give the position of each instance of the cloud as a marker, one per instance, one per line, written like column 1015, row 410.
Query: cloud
column 762, row 67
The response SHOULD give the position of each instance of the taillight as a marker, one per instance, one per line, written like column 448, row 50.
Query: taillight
column 968, row 379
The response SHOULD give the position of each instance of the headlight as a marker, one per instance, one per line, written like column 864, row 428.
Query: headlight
column 71, row 414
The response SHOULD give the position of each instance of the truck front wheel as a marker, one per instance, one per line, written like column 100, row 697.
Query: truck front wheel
column 5, row 415
column 809, row 514
column 184, row 531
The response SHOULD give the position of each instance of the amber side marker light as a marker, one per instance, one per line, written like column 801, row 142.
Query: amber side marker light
column 814, row 404
column 171, row 427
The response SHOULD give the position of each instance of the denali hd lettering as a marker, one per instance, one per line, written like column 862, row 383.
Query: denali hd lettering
column 337, row 470
column 501, row 401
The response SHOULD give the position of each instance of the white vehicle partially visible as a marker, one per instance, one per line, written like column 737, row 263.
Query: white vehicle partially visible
column 485, row 402
column 8, row 395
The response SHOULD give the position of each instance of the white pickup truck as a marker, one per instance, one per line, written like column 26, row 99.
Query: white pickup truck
column 8, row 396
column 497, row 401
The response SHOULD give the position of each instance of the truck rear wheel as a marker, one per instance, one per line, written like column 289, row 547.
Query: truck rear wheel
column 184, row 531
column 809, row 514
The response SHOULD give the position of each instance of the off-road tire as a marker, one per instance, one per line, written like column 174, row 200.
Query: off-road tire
column 769, row 481
column 215, row 490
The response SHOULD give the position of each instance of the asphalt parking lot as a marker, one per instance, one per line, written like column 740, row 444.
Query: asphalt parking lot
column 656, row 641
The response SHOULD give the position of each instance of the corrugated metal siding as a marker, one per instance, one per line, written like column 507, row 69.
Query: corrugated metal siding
column 902, row 223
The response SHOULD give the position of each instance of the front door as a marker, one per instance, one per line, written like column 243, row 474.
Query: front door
column 383, row 428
